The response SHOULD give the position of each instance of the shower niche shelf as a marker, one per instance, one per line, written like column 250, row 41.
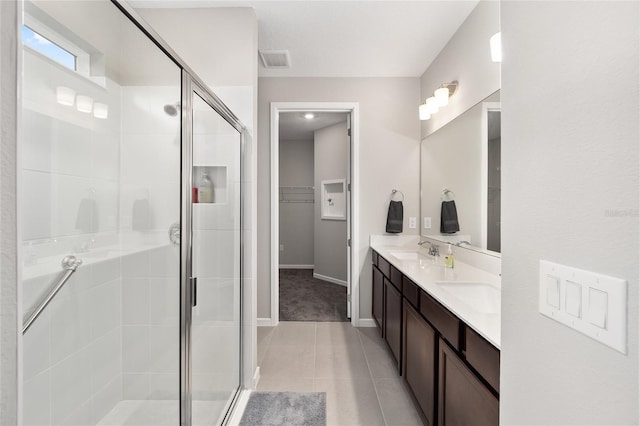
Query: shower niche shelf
column 333, row 199
column 219, row 178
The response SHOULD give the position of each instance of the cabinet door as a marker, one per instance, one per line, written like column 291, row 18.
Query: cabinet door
column 419, row 366
column 463, row 399
column 393, row 319
column 377, row 308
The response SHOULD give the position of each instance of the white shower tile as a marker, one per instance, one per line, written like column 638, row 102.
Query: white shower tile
column 215, row 254
column 70, row 324
column 81, row 416
column 106, row 155
column 37, row 205
column 36, row 400
column 135, row 386
column 105, row 271
column 164, row 296
column 135, row 349
column 106, row 308
column 70, row 385
column 135, row 301
column 106, row 359
column 164, row 386
column 105, row 399
column 35, row 346
column 163, row 349
column 164, row 262
column 135, row 265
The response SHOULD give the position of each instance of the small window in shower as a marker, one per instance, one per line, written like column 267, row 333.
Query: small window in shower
column 48, row 48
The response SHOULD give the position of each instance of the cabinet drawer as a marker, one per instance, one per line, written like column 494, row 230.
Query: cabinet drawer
column 395, row 278
column 374, row 257
column 411, row 292
column 384, row 266
column 483, row 357
column 444, row 321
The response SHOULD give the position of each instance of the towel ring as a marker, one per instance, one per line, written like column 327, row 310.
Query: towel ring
column 447, row 195
column 394, row 192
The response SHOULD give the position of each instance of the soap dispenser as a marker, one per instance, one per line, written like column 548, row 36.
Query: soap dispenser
column 205, row 189
column 448, row 261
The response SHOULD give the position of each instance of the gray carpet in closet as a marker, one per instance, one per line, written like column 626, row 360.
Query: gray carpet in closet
column 304, row 298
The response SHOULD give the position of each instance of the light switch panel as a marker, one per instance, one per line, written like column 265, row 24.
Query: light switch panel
column 591, row 303
column 427, row 222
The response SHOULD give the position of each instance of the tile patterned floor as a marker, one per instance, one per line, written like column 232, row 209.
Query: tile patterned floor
column 352, row 365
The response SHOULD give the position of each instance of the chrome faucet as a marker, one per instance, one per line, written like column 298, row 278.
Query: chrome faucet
column 434, row 249
column 460, row 243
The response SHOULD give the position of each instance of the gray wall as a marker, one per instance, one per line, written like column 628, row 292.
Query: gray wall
column 296, row 219
column 465, row 58
column 389, row 158
column 331, row 147
column 570, row 151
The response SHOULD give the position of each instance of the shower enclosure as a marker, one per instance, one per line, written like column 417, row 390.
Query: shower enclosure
column 130, row 170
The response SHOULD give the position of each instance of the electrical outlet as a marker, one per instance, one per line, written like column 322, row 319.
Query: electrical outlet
column 281, row 247
column 427, row 223
column 412, row 223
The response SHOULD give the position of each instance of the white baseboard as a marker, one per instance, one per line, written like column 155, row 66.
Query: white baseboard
column 296, row 266
column 330, row 279
column 239, row 408
column 265, row 322
column 366, row 322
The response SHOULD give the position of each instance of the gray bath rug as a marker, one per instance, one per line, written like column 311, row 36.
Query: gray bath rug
column 305, row 298
column 285, row 408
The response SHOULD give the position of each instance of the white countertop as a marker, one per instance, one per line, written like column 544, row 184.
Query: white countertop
column 427, row 273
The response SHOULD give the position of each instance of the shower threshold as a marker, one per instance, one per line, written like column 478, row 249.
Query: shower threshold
column 160, row 413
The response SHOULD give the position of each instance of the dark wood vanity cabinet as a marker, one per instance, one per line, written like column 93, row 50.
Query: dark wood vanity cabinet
column 463, row 398
column 419, row 362
column 377, row 297
column 452, row 372
column 393, row 319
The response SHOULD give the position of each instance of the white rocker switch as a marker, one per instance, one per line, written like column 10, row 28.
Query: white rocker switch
column 553, row 291
column 597, row 311
column 573, row 299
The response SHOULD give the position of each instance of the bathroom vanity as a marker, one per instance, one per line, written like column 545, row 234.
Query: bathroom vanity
column 443, row 328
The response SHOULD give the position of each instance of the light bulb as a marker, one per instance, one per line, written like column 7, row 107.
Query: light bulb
column 442, row 96
column 424, row 112
column 309, row 116
column 432, row 105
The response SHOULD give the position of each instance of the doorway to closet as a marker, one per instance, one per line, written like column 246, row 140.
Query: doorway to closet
column 312, row 206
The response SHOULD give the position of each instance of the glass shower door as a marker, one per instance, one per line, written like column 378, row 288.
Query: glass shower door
column 215, row 263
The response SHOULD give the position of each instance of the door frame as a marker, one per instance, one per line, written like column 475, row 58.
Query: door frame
column 353, row 276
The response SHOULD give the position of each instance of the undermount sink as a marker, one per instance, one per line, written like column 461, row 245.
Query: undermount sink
column 481, row 297
column 405, row 255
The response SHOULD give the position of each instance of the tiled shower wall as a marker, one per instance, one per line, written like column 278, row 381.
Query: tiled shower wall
column 112, row 331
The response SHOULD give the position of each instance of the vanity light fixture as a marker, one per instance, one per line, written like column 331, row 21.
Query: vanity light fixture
column 65, row 96
column 309, row 116
column 84, row 103
column 439, row 99
column 496, row 47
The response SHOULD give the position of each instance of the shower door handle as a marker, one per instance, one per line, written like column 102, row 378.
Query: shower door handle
column 194, row 291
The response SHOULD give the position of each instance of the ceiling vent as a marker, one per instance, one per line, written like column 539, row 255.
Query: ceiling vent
column 276, row 59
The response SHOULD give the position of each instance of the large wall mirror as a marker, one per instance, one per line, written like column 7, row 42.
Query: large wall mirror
column 460, row 162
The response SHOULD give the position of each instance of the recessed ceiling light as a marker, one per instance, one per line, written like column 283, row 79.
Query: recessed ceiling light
column 309, row 116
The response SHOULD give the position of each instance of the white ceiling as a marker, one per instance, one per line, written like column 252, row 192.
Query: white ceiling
column 294, row 127
column 366, row 38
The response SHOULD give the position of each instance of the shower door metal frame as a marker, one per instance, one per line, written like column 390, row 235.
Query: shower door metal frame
column 190, row 83
column 190, row 87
